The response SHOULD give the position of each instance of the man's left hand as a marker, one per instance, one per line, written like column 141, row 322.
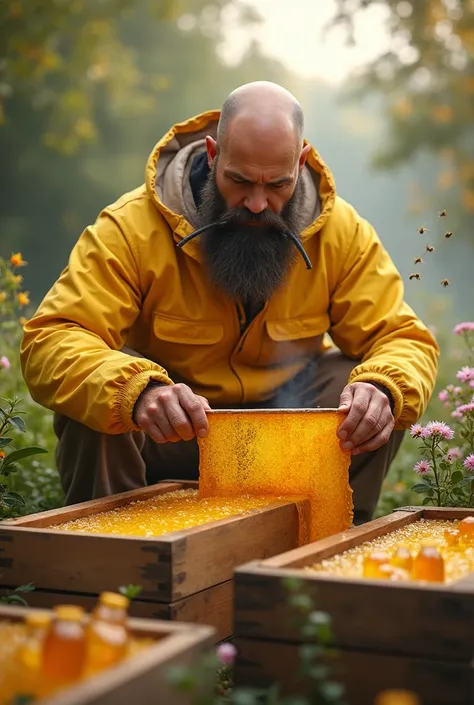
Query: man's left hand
column 369, row 421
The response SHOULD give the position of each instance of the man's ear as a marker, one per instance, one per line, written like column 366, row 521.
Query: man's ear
column 211, row 148
column 303, row 156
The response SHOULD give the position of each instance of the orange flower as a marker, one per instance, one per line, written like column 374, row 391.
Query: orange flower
column 17, row 260
column 22, row 321
column 2, row 453
column 22, row 298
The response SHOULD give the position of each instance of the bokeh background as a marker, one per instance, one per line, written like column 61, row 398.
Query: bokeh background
column 87, row 87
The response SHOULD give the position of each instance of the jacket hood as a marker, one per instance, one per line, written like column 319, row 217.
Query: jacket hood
column 169, row 165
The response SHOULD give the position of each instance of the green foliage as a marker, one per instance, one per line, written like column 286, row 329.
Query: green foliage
column 15, row 597
column 317, row 661
column 426, row 79
column 130, row 591
column 31, row 485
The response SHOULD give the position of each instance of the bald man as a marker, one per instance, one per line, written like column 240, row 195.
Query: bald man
column 235, row 277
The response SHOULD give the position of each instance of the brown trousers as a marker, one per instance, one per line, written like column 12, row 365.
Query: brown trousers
column 93, row 464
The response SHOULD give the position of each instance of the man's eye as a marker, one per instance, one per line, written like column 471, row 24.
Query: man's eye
column 279, row 185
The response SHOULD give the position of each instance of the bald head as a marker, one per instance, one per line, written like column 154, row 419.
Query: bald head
column 262, row 108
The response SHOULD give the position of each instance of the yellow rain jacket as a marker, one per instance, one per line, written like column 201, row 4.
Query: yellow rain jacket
column 127, row 284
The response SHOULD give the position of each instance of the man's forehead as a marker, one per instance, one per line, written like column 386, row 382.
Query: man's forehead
column 269, row 159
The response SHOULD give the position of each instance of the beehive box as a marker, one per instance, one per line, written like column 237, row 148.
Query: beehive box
column 143, row 678
column 418, row 636
column 185, row 576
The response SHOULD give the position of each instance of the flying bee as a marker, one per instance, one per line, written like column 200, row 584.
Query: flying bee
column 447, row 235
column 445, row 282
column 443, row 214
column 429, row 248
column 418, row 260
column 415, row 276
column 422, row 230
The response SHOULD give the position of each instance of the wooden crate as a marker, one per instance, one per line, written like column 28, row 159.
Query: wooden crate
column 143, row 678
column 389, row 635
column 185, row 575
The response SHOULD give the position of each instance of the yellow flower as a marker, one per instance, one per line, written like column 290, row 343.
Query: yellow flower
column 3, row 297
column 17, row 260
column 22, row 298
column 22, row 321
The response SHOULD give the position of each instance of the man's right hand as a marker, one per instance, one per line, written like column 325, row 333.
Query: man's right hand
column 169, row 414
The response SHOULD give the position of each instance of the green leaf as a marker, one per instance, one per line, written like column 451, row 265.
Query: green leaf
column 29, row 587
column 466, row 481
column 11, row 498
column 420, row 487
column 427, row 500
column 14, row 599
column 456, row 477
column 332, row 691
column 130, row 591
column 21, row 454
column 18, row 422
column 4, row 441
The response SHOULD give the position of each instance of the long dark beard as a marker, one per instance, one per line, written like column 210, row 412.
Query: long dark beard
column 248, row 262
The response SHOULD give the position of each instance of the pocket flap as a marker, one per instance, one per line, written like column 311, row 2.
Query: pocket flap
column 296, row 328
column 187, row 331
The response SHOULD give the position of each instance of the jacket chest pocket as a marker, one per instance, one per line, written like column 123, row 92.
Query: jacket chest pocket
column 181, row 342
column 288, row 340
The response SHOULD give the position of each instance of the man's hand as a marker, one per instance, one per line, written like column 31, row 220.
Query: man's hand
column 369, row 422
column 169, row 414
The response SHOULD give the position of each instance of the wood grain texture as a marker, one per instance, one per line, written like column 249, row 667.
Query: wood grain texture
column 261, row 663
column 168, row 568
column 144, row 677
column 212, row 607
column 426, row 620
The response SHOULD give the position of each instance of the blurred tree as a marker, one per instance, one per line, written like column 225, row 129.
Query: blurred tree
column 49, row 192
column 61, row 55
column 427, row 79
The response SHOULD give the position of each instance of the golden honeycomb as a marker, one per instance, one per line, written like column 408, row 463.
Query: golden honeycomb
column 433, row 550
column 164, row 513
column 290, row 453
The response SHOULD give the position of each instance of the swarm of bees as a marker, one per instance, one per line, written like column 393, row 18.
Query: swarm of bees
column 429, row 248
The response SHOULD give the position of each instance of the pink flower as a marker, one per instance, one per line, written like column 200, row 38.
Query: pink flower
column 471, row 384
column 466, row 408
column 438, row 428
column 469, row 462
column 422, row 467
column 443, row 395
column 457, row 390
column 464, row 328
column 465, row 374
column 453, row 454
column 416, row 430
column 456, row 414
column 226, row 653
column 5, row 362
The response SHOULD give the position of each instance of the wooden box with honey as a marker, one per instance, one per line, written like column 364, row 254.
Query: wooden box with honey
column 142, row 677
column 186, row 574
column 400, row 594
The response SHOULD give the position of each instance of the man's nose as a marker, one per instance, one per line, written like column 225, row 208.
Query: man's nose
column 256, row 202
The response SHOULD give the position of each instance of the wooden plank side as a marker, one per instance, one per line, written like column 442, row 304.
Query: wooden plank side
column 262, row 663
column 74, row 562
column 168, row 568
column 343, row 541
column 446, row 513
column 95, row 506
column 209, row 555
column 212, row 607
column 432, row 621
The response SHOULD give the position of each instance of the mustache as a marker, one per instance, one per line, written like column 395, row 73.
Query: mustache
column 242, row 216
